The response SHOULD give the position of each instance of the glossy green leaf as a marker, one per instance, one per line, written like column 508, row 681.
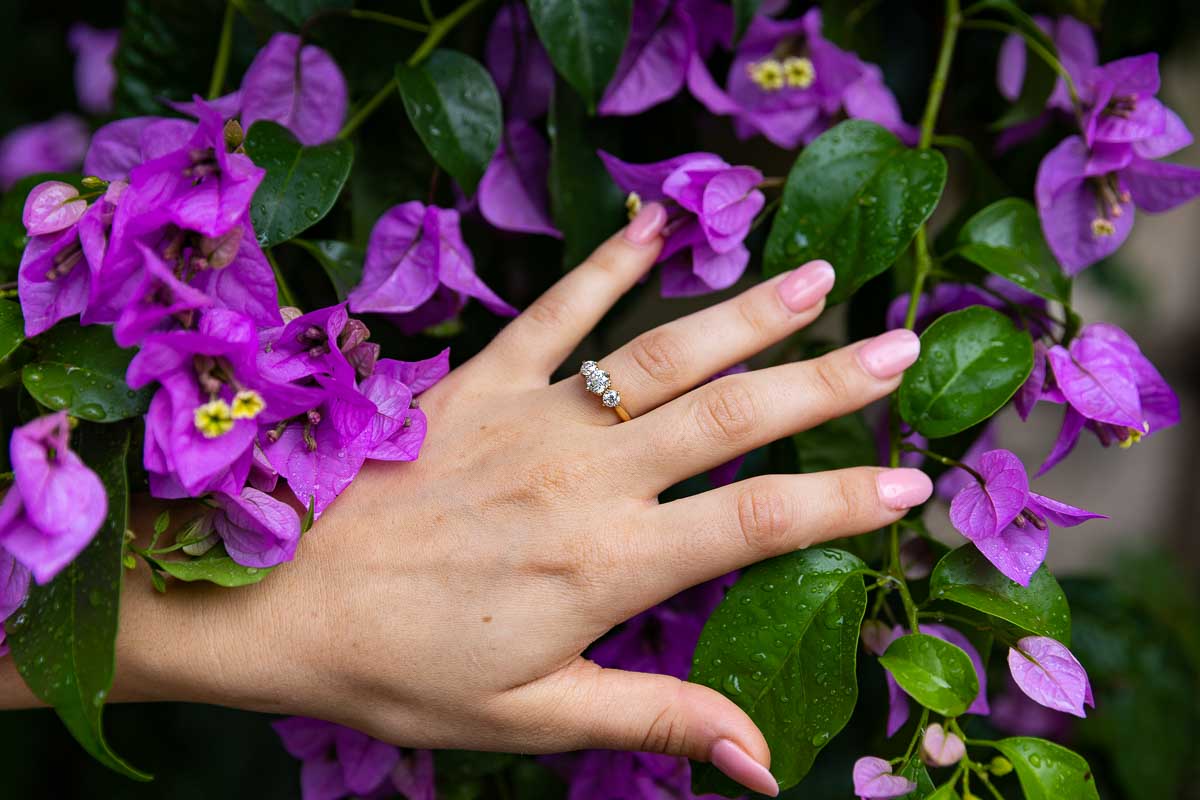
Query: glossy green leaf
column 82, row 370
column 972, row 361
column 64, row 638
column 584, row 39
column 166, row 51
column 1048, row 771
column 455, row 109
column 856, row 197
column 944, row 792
column 743, row 13
column 783, row 645
column 585, row 203
column 1006, row 239
column 215, row 566
column 12, row 328
column 965, row 577
column 935, row 673
column 297, row 11
column 914, row 769
column 837, row 444
column 343, row 263
column 301, row 183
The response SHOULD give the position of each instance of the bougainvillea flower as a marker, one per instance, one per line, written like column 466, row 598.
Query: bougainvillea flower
column 158, row 303
column 790, row 84
column 710, row 207
column 874, row 779
column 53, row 281
column 1050, row 675
column 1107, row 385
column 940, row 748
column 1086, row 198
column 1015, row 713
column 56, row 504
column 1008, row 523
column 519, row 64
column 513, row 194
column 56, row 145
column 257, row 529
column 300, row 87
column 949, row 296
column 593, row 774
column 51, row 207
column 419, row 271
column 95, row 75
column 14, row 586
column 898, row 710
column 337, row 761
column 1120, row 107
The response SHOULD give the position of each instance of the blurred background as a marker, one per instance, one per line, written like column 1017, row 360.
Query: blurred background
column 1131, row 579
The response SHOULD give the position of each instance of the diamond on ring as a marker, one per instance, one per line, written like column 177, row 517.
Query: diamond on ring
column 598, row 381
column 611, row 398
column 587, row 368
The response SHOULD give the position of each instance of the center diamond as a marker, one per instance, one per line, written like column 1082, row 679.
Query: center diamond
column 598, row 381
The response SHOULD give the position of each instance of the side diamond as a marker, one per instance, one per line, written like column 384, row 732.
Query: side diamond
column 587, row 368
column 611, row 398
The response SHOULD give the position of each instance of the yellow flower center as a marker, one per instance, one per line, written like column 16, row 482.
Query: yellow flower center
column 213, row 419
column 1134, row 437
column 633, row 204
column 1103, row 227
column 799, row 72
column 247, row 404
column 767, row 74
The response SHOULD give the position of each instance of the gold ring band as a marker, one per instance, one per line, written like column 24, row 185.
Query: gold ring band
column 599, row 383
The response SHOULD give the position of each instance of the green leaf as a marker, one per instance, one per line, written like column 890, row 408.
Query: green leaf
column 1048, row 771
column 12, row 328
column 64, row 638
column 587, row 206
column 743, row 13
column 455, row 108
column 1006, row 239
column 837, row 444
column 856, row 197
column 916, row 772
column 297, row 11
column 215, row 566
column 301, row 183
column 783, row 645
column 82, row 370
column 972, row 361
column 584, row 39
column 935, row 673
column 944, row 792
column 343, row 263
column 166, row 51
column 965, row 577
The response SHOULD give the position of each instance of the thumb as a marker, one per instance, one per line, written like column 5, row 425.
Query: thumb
column 619, row 710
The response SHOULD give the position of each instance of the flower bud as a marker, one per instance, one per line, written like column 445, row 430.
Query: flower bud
column 92, row 182
column 941, row 749
column 1000, row 766
column 233, row 135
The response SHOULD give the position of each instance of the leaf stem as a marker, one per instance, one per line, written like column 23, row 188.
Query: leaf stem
column 388, row 19
column 224, row 49
column 285, row 293
column 912, row 745
column 439, row 28
column 427, row 10
column 941, row 459
column 367, row 110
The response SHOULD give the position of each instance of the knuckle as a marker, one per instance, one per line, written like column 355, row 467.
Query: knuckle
column 667, row 732
column 606, row 260
column 550, row 311
column 845, row 502
column 755, row 318
column 765, row 518
column 727, row 411
column 830, row 380
column 660, row 355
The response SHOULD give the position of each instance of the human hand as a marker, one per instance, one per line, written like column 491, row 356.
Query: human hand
column 447, row 602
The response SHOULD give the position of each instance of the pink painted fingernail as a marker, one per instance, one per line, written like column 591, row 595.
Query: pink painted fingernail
column 738, row 765
column 647, row 224
column 806, row 285
column 900, row 489
column 889, row 354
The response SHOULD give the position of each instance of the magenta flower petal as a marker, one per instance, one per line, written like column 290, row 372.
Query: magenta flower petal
column 1174, row 137
column 56, row 145
column 873, row 778
column 1016, row 552
column 519, row 64
column 513, row 194
column 1059, row 513
column 14, row 584
column 53, row 281
column 95, row 75
column 1049, row 674
column 400, row 272
column 731, row 200
column 979, row 511
column 1068, row 436
column 413, row 777
column 1158, row 186
column 116, row 148
column 52, row 206
column 1010, row 67
column 321, row 779
column 257, row 529
column 418, row 376
column 653, row 66
column 1097, row 382
column 366, row 762
column 1031, row 391
column 301, row 88
column 317, row 473
column 941, row 749
column 303, row 737
column 898, row 708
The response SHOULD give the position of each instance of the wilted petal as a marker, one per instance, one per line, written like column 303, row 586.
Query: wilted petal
column 301, row 88
column 873, row 778
column 513, row 194
column 1049, row 674
column 979, row 511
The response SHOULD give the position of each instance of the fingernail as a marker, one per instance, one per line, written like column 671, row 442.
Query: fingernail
column 648, row 223
column 806, row 285
column 900, row 489
column 738, row 765
column 889, row 354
